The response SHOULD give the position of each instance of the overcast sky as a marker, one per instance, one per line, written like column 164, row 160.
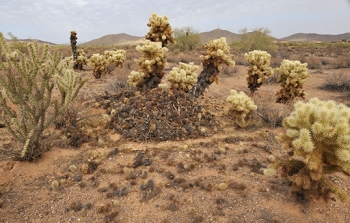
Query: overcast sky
column 52, row 20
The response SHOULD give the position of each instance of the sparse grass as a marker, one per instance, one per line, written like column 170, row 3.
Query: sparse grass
column 269, row 111
column 337, row 82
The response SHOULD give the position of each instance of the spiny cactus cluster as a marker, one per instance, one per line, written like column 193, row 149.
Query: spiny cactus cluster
column 81, row 59
column 183, row 77
column 317, row 139
column 259, row 68
column 151, row 63
column 242, row 107
column 27, row 86
column 217, row 53
column 293, row 75
column 100, row 63
column 160, row 30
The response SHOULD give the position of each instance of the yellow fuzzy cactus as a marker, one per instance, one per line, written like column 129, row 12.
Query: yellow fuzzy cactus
column 136, row 78
column 217, row 53
column 81, row 59
column 183, row 77
column 151, row 63
column 217, row 50
column 116, row 57
column 98, row 63
column 317, row 140
column 242, row 107
column 259, row 69
column 160, row 30
column 293, row 75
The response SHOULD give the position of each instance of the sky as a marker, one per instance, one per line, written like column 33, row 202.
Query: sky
column 52, row 20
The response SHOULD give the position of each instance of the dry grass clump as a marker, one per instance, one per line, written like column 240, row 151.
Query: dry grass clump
column 313, row 62
column 339, row 81
column 184, row 58
column 269, row 111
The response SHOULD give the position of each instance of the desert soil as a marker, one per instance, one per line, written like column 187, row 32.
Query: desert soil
column 216, row 178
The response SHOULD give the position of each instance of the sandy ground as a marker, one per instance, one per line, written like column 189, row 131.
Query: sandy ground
column 210, row 179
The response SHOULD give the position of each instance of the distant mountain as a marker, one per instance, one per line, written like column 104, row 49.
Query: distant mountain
column 305, row 37
column 115, row 39
column 32, row 40
column 217, row 34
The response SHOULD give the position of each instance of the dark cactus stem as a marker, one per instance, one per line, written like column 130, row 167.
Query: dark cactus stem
column 205, row 79
column 73, row 43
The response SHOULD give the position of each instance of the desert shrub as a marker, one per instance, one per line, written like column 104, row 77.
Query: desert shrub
column 241, row 108
column 337, row 82
column 258, row 39
column 229, row 71
column 258, row 70
column 186, row 38
column 316, row 139
column 313, row 62
column 269, row 111
column 292, row 75
column 217, row 53
column 27, row 94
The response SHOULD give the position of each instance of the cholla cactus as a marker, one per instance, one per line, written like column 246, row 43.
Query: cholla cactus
column 73, row 42
column 259, row 68
column 115, row 57
column 242, row 107
column 217, row 53
column 99, row 64
column 136, row 78
column 293, row 75
column 160, row 30
column 81, row 59
column 183, row 77
column 27, row 86
column 317, row 139
column 152, row 63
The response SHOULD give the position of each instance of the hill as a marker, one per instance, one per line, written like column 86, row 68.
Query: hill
column 113, row 39
column 304, row 37
column 218, row 33
column 31, row 40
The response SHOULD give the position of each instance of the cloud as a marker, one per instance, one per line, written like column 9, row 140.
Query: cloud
column 53, row 20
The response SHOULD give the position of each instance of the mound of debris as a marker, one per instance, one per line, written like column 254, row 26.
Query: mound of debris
column 158, row 115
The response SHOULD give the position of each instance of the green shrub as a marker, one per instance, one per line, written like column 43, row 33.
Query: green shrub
column 258, row 39
column 186, row 38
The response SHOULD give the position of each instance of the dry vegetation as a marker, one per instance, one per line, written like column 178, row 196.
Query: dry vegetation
column 94, row 174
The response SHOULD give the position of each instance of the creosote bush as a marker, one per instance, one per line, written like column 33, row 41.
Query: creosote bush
column 217, row 53
column 242, row 107
column 317, row 139
column 27, row 89
column 259, row 69
column 292, row 75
